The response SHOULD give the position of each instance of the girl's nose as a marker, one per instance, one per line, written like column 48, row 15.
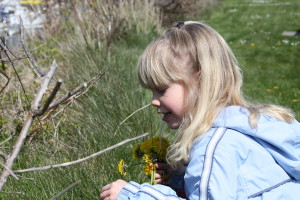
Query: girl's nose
column 155, row 102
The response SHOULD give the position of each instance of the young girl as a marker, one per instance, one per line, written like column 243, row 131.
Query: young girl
column 226, row 147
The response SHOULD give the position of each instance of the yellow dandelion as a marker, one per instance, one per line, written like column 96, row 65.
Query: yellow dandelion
column 276, row 87
column 156, row 147
column 53, row 50
column 294, row 100
column 269, row 90
column 122, row 167
column 252, row 44
column 148, row 169
column 137, row 153
column 146, row 158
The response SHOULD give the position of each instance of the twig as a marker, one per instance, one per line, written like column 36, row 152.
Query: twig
column 8, row 79
column 35, row 66
column 11, row 173
column 25, row 129
column 44, row 86
column 5, row 49
column 65, row 190
column 23, row 177
column 131, row 115
column 49, row 100
column 68, row 95
column 82, row 159
column 3, row 155
column 31, row 134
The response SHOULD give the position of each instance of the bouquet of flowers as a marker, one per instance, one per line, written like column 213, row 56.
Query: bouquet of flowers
column 148, row 153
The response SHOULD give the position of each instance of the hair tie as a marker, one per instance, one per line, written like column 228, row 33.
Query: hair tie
column 179, row 24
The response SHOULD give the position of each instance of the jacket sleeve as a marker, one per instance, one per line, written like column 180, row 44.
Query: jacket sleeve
column 135, row 191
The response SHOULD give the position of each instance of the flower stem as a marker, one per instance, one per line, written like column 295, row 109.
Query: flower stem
column 153, row 172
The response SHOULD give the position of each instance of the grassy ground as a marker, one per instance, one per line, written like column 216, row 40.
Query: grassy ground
column 252, row 28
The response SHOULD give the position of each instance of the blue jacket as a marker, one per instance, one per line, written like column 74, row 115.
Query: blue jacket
column 234, row 161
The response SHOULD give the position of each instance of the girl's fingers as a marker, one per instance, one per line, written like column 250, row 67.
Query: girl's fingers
column 158, row 181
column 162, row 166
column 104, row 194
column 106, row 187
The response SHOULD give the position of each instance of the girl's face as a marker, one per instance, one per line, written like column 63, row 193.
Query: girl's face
column 169, row 101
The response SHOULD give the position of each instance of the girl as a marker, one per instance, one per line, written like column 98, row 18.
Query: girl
column 226, row 147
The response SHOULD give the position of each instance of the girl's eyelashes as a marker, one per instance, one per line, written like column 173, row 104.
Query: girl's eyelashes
column 162, row 90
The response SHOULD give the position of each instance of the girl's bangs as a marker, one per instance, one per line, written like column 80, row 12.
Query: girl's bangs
column 155, row 67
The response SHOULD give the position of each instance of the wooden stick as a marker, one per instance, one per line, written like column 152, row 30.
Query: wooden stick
column 82, row 159
column 44, row 86
column 67, row 96
column 35, row 66
column 65, row 190
column 50, row 99
column 9, row 171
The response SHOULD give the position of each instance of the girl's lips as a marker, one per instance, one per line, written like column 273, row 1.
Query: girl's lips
column 166, row 116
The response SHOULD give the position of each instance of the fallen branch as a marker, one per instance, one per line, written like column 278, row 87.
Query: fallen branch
column 9, row 171
column 65, row 190
column 49, row 100
column 44, row 86
column 67, row 96
column 25, row 129
column 82, row 159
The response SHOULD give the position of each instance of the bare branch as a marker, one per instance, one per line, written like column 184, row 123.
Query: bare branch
column 35, row 66
column 8, row 79
column 44, row 86
column 3, row 155
column 23, row 177
column 25, row 129
column 65, row 190
column 50, row 99
column 82, row 159
column 68, row 95
column 10, row 172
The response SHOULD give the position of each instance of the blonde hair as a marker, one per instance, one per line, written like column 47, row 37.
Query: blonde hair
column 197, row 56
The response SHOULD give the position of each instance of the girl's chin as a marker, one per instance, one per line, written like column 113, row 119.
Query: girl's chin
column 173, row 125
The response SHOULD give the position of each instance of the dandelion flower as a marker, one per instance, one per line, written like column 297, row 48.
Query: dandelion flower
column 269, row 90
column 252, row 44
column 122, row 167
column 294, row 100
column 137, row 153
column 156, row 147
column 276, row 87
column 148, row 166
column 53, row 50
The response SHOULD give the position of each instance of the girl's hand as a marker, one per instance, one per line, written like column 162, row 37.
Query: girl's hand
column 163, row 171
column 111, row 191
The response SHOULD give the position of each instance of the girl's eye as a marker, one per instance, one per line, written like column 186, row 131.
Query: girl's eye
column 161, row 90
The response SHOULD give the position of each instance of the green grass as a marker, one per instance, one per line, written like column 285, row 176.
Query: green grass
column 252, row 29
